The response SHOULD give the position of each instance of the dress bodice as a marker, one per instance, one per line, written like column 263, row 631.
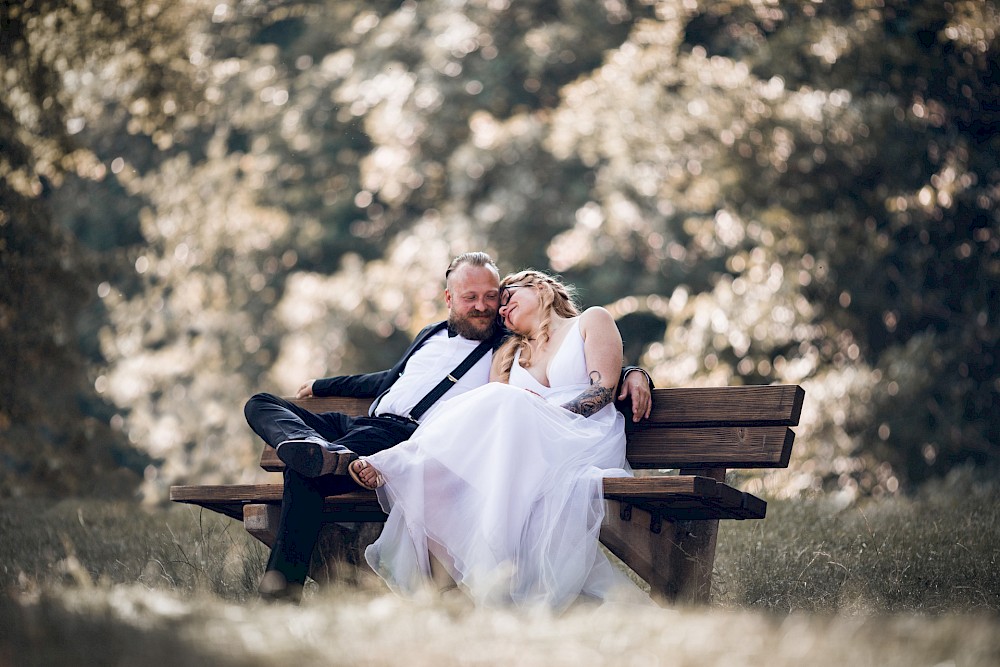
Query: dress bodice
column 567, row 367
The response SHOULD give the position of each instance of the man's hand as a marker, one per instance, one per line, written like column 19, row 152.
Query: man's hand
column 636, row 385
column 306, row 390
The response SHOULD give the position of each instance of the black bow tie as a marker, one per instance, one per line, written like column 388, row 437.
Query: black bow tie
column 451, row 332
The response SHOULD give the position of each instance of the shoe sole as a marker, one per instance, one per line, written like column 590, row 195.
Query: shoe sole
column 310, row 460
column 275, row 588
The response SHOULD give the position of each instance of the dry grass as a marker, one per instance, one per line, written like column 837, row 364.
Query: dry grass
column 898, row 582
column 98, row 543
column 933, row 554
column 133, row 625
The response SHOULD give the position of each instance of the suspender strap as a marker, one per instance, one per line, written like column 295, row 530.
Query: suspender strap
column 449, row 381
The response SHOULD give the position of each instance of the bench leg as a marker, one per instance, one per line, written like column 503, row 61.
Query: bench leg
column 676, row 561
column 261, row 521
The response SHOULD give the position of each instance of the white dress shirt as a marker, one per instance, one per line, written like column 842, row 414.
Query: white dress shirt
column 435, row 359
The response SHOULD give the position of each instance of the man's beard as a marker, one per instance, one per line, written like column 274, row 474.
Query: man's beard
column 474, row 326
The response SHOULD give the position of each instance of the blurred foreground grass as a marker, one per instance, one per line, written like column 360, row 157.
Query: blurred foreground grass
column 900, row 581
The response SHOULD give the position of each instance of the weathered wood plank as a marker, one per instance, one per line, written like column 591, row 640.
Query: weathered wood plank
column 676, row 560
column 678, row 497
column 678, row 406
column 728, row 447
column 713, row 446
column 685, row 497
column 230, row 499
column 261, row 521
column 663, row 448
column 719, row 406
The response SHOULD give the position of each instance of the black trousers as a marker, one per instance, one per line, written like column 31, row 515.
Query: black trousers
column 276, row 420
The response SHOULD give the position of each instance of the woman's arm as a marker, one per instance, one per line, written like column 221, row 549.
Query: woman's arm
column 602, row 347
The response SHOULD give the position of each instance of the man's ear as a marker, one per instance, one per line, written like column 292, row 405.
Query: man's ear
column 447, row 298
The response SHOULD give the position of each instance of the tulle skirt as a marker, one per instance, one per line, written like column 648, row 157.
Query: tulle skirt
column 504, row 488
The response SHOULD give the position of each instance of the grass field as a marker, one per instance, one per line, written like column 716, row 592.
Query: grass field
column 896, row 582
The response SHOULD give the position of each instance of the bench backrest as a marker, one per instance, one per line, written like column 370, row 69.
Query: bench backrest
column 689, row 427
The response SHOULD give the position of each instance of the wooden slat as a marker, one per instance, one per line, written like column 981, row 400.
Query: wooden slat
column 693, row 447
column 715, row 406
column 728, row 447
column 229, row 499
column 707, row 447
column 672, row 497
column 681, row 406
column 685, row 497
column 661, row 486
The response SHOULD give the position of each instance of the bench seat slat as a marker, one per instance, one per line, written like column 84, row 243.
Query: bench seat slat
column 229, row 499
column 673, row 497
column 681, row 497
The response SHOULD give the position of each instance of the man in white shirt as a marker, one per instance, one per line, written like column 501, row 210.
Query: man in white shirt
column 317, row 448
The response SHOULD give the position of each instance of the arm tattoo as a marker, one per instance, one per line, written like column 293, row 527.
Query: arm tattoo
column 591, row 399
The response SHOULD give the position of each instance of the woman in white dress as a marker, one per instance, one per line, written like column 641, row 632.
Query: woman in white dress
column 502, row 485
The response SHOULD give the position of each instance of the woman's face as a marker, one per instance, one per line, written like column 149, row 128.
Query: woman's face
column 519, row 307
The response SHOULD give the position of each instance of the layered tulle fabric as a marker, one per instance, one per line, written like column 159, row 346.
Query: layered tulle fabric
column 504, row 487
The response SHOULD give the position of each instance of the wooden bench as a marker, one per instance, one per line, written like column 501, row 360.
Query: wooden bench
column 663, row 526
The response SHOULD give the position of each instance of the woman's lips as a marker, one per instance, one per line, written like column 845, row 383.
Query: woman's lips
column 506, row 317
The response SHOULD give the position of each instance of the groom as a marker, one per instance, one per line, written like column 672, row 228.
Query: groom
column 317, row 448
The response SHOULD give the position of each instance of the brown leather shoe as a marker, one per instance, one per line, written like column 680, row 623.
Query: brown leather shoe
column 310, row 459
column 275, row 588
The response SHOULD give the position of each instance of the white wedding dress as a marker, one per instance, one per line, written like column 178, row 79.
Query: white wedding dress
column 503, row 486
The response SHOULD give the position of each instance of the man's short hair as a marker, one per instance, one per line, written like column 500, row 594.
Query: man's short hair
column 476, row 258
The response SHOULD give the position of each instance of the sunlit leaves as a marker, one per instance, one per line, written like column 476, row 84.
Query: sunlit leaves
column 772, row 191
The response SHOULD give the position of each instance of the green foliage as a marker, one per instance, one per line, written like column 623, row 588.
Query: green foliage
column 263, row 192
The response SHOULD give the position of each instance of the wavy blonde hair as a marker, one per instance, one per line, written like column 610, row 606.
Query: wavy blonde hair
column 554, row 297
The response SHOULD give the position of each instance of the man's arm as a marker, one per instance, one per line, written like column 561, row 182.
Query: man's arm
column 638, row 386
column 366, row 385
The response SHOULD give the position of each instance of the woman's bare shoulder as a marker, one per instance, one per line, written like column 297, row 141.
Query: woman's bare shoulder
column 596, row 319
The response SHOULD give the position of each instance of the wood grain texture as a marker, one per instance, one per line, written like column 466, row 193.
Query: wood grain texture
column 680, row 406
column 731, row 427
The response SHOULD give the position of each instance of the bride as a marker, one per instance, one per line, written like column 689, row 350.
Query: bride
column 503, row 487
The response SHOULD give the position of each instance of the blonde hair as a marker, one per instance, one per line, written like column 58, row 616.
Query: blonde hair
column 554, row 297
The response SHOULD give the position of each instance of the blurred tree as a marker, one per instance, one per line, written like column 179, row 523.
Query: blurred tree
column 836, row 164
column 261, row 192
